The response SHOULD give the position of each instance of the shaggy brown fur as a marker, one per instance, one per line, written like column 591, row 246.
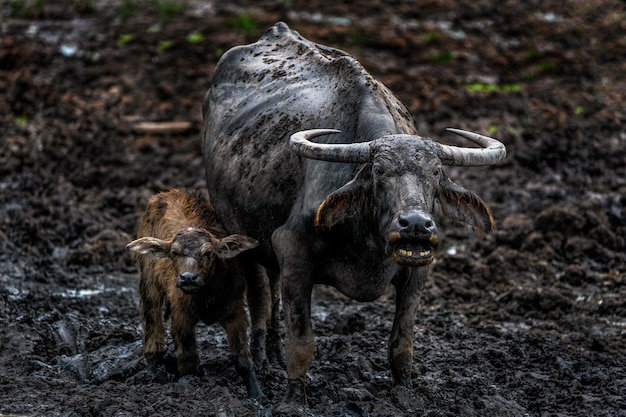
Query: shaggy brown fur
column 186, row 262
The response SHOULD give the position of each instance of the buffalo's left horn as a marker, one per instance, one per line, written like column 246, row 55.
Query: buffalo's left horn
column 491, row 152
column 331, row 152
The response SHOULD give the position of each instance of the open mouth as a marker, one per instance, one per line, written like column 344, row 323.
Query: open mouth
column 413, row 253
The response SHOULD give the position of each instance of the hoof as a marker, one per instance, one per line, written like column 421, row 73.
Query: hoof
column 296, row 392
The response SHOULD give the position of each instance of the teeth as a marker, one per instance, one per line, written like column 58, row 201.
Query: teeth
column 409, row 253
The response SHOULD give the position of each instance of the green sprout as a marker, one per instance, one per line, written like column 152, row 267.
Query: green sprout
column 432, row 37
column 163, row 46
column 21, row 121
column 445, row 56
column 242, row 22
column 124, row 39
column 195, row 37
column 490, row 88
column 128, row 8
column 532, row 54
column 169, row 9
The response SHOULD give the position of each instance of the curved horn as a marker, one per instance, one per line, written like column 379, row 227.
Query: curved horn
column 491, row 152
column 331, row 152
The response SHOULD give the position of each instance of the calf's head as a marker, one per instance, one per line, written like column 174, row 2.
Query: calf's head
column 194, row 253
column 400, row 185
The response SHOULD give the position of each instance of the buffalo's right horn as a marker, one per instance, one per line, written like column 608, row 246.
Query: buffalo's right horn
column 491, row 152
column 331, row 152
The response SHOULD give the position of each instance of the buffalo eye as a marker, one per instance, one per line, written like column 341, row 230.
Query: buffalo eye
column 437, row 172
column 378, row 171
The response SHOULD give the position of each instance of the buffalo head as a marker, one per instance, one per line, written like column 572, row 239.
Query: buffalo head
column 399, row 187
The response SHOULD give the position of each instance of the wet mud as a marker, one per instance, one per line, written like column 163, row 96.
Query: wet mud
column 100, row 108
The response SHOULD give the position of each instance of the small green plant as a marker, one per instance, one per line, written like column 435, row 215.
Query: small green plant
column 195, row 37
column 579, row 109
column 445, row 56
column 242, row 22
column 218, row 53
column 357, row 35
column 124, row 39
column 541, row 68
column 163, row 46
column 170, row 9
column 432, row 37
column 546, row 67
column 26, row 8
column 21, row 121
column 128, row 8
column 532, row 54
column 489, row 88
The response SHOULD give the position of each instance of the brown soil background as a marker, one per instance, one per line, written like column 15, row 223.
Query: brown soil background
column 528, row 321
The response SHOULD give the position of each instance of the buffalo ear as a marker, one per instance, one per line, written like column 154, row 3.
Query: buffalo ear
column 344, row 203
column 233, row 245
column 464, row 207
column 150, row 246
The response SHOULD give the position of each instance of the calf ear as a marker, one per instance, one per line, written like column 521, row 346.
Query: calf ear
column 465, row 207
column 348, row 201
column 150, row 246
column 233, row 245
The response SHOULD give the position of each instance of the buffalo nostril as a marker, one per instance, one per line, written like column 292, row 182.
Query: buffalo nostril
column 416, row 222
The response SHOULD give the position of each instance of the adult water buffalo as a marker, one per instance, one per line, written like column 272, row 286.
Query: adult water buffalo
column 355, row 208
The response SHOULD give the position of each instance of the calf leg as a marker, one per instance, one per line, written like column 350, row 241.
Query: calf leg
column 151, row 309
column 408, row 291
column 183, row 329
column 236, row 326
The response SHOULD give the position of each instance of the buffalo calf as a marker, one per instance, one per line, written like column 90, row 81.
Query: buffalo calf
column 188, row 269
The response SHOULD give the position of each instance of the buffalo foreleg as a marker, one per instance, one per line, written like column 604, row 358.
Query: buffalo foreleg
column 408, row 291
column 296, row 277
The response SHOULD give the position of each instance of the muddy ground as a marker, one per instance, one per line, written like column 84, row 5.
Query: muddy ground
column 527, row 321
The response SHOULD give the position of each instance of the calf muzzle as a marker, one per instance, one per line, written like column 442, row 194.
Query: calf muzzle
column 188, row 282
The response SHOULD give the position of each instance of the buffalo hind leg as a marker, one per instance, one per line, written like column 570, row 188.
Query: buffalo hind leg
column 408, row 291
